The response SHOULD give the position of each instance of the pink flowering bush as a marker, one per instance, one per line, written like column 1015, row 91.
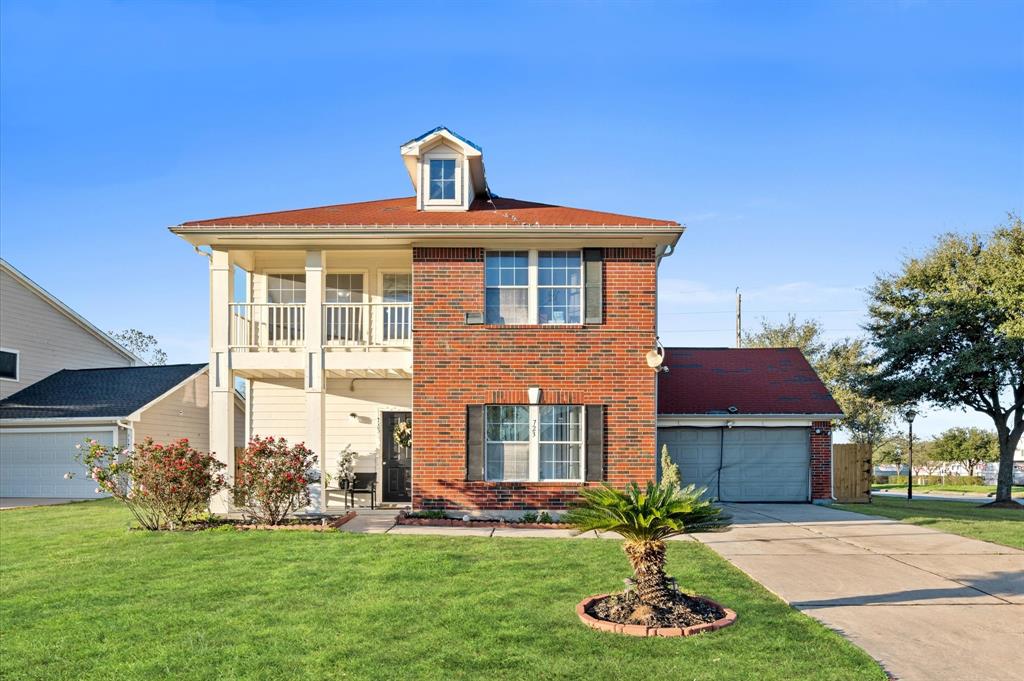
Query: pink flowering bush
column 164, row 486
column 272, row 479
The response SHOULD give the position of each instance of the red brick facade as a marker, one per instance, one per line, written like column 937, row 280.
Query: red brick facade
column 821, row 461
column 456, row 364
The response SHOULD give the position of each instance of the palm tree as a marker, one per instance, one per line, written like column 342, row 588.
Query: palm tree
column 645, row 518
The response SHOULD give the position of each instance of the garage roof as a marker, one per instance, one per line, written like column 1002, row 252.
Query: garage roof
column 771, row 381
column 101, row 393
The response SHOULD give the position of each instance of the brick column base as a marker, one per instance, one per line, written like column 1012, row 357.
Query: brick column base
column 821, row 462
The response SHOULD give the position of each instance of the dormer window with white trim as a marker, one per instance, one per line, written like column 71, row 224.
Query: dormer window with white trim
column 442, row 179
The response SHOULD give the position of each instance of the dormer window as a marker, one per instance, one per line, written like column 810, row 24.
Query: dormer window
column 442, row 179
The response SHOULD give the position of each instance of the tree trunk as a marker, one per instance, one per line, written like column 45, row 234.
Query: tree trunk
column 1008, row 440
column 648, row 561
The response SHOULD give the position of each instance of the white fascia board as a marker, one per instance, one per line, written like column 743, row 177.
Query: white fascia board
column 420, row 146
column 67, row 311
column 745, row 420
column 137, row 414
column 44, row 424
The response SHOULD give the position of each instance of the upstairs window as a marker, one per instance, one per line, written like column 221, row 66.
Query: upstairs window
column 286, row 289
column 9, row 365
column 534, row 287
column 559, row 287
column 442, row 179
column 508, row 287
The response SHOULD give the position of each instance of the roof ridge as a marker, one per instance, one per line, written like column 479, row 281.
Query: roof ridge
column 136, row 368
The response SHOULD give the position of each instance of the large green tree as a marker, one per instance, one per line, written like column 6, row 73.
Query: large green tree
column 949, row 330
column 969, row 447
column 841, row 366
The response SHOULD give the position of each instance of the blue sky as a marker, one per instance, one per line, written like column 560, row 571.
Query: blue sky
column 806, row 146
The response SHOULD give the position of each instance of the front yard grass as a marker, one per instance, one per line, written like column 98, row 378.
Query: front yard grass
column 83, row 597
column 999, row 525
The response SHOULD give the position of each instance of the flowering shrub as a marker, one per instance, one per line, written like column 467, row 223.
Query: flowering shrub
column 272, row 479
column 164, row 486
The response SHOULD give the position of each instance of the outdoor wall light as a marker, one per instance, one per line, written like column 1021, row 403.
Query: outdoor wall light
column 533, row 392
column 353, row 417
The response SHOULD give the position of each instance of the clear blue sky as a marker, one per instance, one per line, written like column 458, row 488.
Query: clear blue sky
column 806, row 146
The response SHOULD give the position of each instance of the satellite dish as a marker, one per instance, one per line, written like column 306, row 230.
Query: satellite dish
column 655, row 358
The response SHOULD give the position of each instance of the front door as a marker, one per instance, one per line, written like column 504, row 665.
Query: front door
column 397, row 460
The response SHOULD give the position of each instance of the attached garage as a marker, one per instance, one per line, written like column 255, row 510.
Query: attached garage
column 34, row 462
column 750, row 425
column 742, row 464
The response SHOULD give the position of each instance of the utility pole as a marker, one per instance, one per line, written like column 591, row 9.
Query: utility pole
column 739, row 317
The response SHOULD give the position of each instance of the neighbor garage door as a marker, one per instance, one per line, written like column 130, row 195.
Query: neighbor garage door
column 33, row 464
column 742, row 464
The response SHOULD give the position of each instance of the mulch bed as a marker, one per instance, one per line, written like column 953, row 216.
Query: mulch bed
column 404, row 519
column 624, row 614
column 292, row 524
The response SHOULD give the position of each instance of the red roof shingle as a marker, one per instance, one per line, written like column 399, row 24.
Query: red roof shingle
column 403, row 212
column 754, row 380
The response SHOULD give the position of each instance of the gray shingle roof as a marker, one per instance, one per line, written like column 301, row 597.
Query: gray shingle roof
column 101, row 393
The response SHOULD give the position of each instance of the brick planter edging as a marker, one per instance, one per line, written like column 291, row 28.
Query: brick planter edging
column 641, row 630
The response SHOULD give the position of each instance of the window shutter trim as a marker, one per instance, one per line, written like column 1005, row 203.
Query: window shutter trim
column 595, row 442
column 593, row 276
column 474, row 442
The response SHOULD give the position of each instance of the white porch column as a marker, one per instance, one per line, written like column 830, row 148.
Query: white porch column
column 222, row 401
column 314, row 364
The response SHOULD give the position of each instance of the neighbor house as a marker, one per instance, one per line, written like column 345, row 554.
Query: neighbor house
column 64, row 381
column 512, row 334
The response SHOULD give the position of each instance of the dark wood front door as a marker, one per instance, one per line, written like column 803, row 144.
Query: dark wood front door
column 397, row 460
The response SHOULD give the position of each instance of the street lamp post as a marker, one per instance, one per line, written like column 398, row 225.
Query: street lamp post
column 910, row 454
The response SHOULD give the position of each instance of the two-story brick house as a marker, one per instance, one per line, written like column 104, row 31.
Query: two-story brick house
column 514, row 335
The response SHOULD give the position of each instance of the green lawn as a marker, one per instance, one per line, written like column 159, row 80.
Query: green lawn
column 1002, row 526
column 82, row 597
column 1017, row 491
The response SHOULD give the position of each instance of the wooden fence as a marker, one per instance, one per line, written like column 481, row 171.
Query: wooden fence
column 851, row 473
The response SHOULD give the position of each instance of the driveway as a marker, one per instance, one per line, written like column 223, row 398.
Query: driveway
column 926, row 604
column 22, row 502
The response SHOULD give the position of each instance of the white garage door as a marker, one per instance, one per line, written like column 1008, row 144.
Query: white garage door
column 34, row 464
column 742, row 464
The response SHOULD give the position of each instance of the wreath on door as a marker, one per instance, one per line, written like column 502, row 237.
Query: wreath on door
column 402, row 434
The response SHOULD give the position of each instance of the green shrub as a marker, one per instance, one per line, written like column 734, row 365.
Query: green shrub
column 529, row 517
column 545, row 517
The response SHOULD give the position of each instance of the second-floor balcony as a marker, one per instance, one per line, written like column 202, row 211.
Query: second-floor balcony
column 265, row 326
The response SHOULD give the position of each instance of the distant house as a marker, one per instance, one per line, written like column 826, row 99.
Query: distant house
column 64, row 380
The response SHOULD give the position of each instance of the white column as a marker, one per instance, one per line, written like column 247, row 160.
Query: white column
column 314, row 363
column 222, row 399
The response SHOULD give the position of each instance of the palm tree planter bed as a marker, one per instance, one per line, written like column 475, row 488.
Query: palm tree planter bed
column 691, row 614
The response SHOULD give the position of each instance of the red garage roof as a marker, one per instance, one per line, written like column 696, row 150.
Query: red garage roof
column 403, row 212
column 753, row 380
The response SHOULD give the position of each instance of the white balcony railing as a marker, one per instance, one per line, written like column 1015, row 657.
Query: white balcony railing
column 267, row 325
column 348, row 324
column 274, row 325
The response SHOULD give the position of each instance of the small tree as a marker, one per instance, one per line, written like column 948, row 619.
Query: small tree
column 645, row 518
column 273, row 479
column 164, row 486
column 969, row 447
column 141, row 344
column 669, row 470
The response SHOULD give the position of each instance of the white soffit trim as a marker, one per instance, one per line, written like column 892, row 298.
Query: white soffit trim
column 71, row 314
column 743, row 421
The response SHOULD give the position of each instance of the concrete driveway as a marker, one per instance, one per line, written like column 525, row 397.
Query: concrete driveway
column 23, row 502
column 926, row 604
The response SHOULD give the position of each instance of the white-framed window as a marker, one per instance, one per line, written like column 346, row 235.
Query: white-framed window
column 286, row 288
column 533, row 287
column 507, row 280
column 534, row 443
column 559, row 287
column 396, row 315
column 10, row 361
column 442, row 179
column 285, row 324
column 345, row 315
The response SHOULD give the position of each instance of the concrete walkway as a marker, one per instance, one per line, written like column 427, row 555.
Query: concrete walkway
column 928, row 605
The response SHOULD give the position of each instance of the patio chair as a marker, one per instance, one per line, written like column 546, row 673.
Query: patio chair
column 364, row 483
